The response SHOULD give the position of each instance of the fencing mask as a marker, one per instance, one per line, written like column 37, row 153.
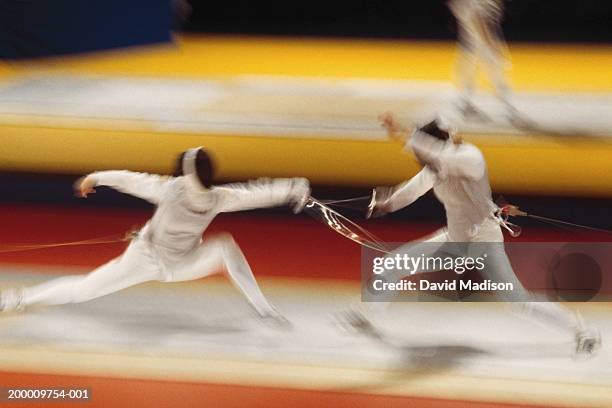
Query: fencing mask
column 197, row 166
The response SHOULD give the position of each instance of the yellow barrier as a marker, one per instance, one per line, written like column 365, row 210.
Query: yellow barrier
column 534, row 66
column 539, row 165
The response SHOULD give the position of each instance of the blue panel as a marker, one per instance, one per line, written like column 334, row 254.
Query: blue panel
column 32, row 28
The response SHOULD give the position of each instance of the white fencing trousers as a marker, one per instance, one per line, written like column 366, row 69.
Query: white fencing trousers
column 139, row 264
column 499, row 270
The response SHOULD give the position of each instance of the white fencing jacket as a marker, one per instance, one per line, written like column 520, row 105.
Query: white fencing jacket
column 459, row 178
column 178, row 223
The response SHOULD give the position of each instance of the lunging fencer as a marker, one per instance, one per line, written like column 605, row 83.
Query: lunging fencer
column 170, row 248
column 457, row 173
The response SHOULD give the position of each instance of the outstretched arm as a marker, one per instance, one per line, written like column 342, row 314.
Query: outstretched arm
column 142, row 185
column 409, row 191
column 405, row 193
column 263, row 193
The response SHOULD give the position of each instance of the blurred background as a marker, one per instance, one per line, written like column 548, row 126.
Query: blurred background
column 281, row 90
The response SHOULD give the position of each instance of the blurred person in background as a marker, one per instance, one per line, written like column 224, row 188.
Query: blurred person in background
column 170, row 248
column 457, row 173
column 480, row 39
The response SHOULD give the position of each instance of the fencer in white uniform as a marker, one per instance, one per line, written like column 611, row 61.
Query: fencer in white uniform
column 457, row 173
column 480, row 40
column 169, row 248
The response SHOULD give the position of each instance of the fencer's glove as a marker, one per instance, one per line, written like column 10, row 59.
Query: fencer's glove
column 379, row 204
column 299, row 194
column 85, row 185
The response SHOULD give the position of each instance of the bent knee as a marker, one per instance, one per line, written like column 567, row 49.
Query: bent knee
column 225, row 240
